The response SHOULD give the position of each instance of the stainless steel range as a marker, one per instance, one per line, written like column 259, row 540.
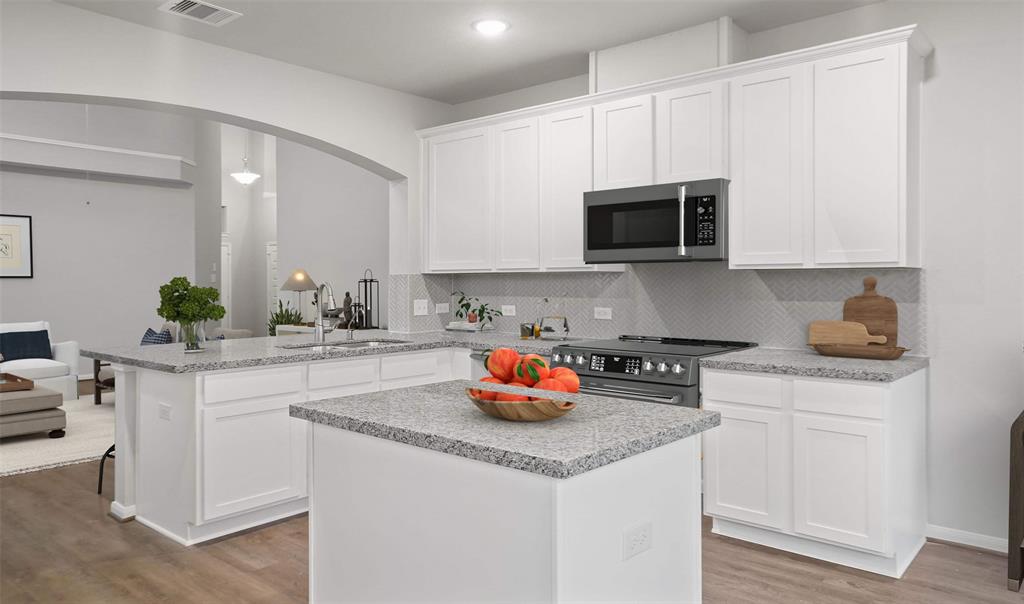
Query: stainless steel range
column 661, row 370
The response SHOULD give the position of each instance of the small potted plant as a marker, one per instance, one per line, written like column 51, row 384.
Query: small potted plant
column 474, row 311
column 284, row 315
column 190, row 306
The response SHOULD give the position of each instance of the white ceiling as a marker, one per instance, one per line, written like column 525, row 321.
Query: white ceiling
column 428, row 48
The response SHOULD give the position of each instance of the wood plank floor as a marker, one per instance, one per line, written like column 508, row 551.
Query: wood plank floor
column 58, row 545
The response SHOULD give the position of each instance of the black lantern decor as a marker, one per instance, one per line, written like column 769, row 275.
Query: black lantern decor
column 369, row 291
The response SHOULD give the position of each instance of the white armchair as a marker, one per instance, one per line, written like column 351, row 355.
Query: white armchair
column 59, row 373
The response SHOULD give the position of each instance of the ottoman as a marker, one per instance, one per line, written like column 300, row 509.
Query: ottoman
column 28, row 411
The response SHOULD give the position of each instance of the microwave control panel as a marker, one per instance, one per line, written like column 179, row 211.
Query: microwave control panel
column 706, row 220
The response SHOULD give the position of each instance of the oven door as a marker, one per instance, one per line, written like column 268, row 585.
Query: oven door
column 684, row 396
column 659, row 223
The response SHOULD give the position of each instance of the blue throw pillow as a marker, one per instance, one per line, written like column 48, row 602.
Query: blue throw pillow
column 16, row 345
column 152, row 337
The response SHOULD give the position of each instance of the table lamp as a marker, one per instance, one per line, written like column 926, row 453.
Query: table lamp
column 299, row 281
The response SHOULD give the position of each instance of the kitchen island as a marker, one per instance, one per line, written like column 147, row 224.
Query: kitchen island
column 417, row 496
column 205, row 446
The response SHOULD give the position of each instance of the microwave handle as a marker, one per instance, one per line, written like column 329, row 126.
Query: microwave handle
column 682, row 220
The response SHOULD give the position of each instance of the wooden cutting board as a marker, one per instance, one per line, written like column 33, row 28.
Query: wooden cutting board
column 877, row 313
column 841, row 332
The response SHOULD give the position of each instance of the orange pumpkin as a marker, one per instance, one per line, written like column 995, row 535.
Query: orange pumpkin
column 502, row 362
column 486, row 395
column 531, row 369
column 568, row 377
column 548, row 384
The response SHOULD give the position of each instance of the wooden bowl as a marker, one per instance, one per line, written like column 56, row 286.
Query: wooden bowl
column 522, row 411
column 868, row 351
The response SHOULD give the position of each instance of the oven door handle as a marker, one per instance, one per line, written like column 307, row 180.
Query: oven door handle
column 682, row 220
column 635, row 395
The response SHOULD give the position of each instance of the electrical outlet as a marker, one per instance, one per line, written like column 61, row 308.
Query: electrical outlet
column 419, row 307
column 441, row 308
column 508, row 310
column 165, row 411
column 603, row 313
column 636, row 540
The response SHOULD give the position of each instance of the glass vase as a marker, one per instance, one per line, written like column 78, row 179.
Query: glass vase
column 193, row 335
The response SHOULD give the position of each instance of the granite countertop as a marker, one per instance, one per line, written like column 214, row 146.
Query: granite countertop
column 441, row 417
column 257, row 352
column 811, row 364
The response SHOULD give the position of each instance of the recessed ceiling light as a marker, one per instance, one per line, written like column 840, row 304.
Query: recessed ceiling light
column 490, row 27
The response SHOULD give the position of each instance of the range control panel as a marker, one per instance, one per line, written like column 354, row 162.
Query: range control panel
column 648, row 368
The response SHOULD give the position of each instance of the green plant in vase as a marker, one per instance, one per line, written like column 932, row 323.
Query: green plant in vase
column 473, row 310
column 284, row 315
column 190, row 306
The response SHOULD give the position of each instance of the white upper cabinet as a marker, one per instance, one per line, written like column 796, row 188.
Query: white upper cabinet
column 624, row 143
column 516, row 195
column 689, row 133
column 566, row 146
column 768, row 124
column 459, row 201
column 858, row 198
column 820, row 147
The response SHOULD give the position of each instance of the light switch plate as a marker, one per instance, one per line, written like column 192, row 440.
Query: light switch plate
column 441, row 308
column 419, row 307
column 603, row 313
column 508, row 310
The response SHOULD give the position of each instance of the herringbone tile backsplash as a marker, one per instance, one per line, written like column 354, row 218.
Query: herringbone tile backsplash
column 698, row 300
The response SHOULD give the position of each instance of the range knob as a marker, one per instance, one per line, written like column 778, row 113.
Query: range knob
column 581, row 360
column 662, row 367
column 677, row 369
column 556, row 357
column 568, row 359
column 648, row 366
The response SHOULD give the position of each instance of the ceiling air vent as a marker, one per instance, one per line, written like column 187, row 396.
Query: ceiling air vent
column 200, row 11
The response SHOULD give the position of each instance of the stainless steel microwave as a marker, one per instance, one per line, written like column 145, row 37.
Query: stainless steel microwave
column 674, row 222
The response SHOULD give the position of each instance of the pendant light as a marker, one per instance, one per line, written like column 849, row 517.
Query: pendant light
column 246, row 177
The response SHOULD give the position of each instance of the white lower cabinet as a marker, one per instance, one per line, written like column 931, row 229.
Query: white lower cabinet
column 744, row 459
column 832, row 469
column 254, row 455
column 838, row 478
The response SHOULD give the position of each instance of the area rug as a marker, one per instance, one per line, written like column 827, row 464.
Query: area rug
column 89, row 432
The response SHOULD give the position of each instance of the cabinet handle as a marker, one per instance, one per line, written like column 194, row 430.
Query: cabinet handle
column 682, row 220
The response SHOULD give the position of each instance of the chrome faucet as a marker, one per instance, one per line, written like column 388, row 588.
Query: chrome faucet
column 319, row 333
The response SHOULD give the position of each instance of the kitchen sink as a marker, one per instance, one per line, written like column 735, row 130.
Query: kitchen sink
column 328, row 346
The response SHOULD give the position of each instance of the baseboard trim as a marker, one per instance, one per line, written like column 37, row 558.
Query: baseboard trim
column 951, row 535
column 122, row 513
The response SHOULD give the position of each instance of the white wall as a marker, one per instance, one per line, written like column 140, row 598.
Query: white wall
column 47, row 47
column 207, row 195
column 524, row 97
column 101, row 248
column 252, row 224
column 332, row 221
column 971, row 186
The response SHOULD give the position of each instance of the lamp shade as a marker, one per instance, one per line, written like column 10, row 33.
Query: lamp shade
column 299, row 281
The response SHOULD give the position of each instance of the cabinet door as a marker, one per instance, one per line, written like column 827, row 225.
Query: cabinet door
column 516, row 195
column 838, row 480
column 745, row 466
column 857, row 185
column 459, row 201
column 689, row 133
column 624, row 143
column 254, row 455
column 566, row 155
column 767, row 121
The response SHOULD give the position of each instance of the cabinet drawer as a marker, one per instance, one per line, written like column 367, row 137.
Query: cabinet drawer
column 338, row 378
column 761, row 390
column 400, row 371
column 251, row 384
column 840, row 398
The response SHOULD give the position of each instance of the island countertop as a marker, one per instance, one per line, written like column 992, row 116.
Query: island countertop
column 441, row 417
column 258, row 352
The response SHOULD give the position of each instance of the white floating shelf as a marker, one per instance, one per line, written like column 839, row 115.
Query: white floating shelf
column 48, row 154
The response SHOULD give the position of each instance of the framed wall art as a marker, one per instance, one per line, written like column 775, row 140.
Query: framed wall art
column 15, row 246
